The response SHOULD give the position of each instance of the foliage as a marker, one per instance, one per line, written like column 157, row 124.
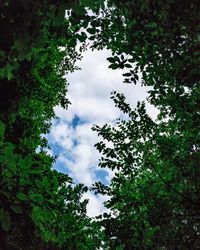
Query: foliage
column 154, row 195
column 155, row 192
column 39, row 207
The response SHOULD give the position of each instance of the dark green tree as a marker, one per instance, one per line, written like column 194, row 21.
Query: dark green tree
column 155, row 192
column 39, row 207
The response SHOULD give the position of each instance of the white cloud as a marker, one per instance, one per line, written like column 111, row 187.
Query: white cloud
column 89, row 92
column 95, row 206
column 62, row 134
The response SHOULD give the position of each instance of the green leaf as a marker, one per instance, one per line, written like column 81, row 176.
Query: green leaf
column 127, row 65
column 127, row 74
column 17, row 209
column 25, row 163
column 92, row 31
column 5, row 221
column 113, row 66
column 46, row 183
column 37, row 198
column 22, row 197
column 72, row 42
column 4, row 193
column 111, row 59
column 82, row 37
column 28, row 56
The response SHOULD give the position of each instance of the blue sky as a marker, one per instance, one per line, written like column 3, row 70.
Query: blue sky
column 71, row 137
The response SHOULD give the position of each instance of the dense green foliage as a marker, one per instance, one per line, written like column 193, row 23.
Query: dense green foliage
column 155, row 194
column 39, row 207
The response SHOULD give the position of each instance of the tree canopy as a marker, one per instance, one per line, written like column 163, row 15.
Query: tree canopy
column 155, row 193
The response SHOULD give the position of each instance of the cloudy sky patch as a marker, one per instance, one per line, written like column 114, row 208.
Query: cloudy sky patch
column 71, row 137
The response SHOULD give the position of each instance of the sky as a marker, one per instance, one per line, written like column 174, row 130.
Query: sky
column 71, row 137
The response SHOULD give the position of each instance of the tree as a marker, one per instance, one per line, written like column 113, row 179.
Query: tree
column 155, row 193
column 39, row 207
column 157, row 39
